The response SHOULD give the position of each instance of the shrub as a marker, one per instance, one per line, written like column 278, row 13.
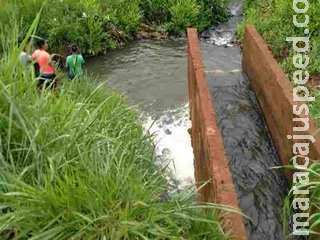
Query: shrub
column 211, row 13
column 156, row 11
column 184, row 13
column 125, row 13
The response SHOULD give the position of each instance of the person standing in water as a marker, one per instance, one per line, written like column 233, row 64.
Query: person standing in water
column 46, row 72
column 75, row 63
column 25, row 58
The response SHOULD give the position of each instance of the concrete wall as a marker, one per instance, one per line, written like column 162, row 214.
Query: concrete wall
column 275, row 96
column 211, row 164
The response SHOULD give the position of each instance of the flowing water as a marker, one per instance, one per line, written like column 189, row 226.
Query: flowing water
column 251, row 154
column 153, row 75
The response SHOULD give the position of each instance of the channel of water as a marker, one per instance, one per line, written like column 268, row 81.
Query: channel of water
column 251, row 154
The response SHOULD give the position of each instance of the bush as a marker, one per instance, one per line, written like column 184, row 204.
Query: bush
column 184, row 13
column 273, row 20
column 211, row 13
column 126, row 14
column 97, row 25
column 156, row 11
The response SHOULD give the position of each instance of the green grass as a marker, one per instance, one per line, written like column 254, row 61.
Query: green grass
column 78, row 166
column 273, row 20
column 98, row 25
column 313, row 186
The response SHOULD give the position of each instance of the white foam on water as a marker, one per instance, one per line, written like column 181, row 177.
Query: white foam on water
column 173, row 143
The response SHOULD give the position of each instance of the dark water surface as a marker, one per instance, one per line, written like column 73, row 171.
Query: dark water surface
column 251, row 153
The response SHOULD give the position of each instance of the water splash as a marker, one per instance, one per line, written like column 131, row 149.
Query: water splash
column 173, row 143
column 224, row 33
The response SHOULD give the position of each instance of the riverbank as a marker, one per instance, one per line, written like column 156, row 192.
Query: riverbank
column 99, row 25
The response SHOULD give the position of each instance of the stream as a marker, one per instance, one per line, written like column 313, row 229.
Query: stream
column 251, row 154
column 153, row 75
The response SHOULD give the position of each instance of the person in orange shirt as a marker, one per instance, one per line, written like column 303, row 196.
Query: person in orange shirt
column 43, row 66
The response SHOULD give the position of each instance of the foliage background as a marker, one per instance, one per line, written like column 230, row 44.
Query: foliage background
column 98, row 25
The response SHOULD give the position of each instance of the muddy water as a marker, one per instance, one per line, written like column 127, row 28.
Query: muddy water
column 250, row 151
column 153, row 75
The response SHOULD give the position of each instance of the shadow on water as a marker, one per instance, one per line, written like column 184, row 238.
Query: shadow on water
column 251, row 153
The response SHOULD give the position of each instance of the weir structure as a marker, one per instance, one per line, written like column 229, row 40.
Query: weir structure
column 210, row 157
column 274, row 95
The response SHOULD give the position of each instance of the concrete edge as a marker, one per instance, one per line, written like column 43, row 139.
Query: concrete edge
column 210, row 157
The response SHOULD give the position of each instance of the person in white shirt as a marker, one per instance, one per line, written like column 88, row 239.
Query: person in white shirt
column 25, row 58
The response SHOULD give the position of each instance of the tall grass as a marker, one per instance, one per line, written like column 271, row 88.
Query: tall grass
column 78, row 166
column 313, row 186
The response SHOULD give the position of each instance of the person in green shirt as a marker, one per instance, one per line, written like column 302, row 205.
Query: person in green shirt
column 75, row 63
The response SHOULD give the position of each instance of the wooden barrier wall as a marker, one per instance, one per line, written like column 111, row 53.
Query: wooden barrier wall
column 275, row 95
column 211, row 164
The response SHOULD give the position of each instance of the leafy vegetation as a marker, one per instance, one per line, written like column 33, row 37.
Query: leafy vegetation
column 273, row 20
column 78, row 166
column 97, row 25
